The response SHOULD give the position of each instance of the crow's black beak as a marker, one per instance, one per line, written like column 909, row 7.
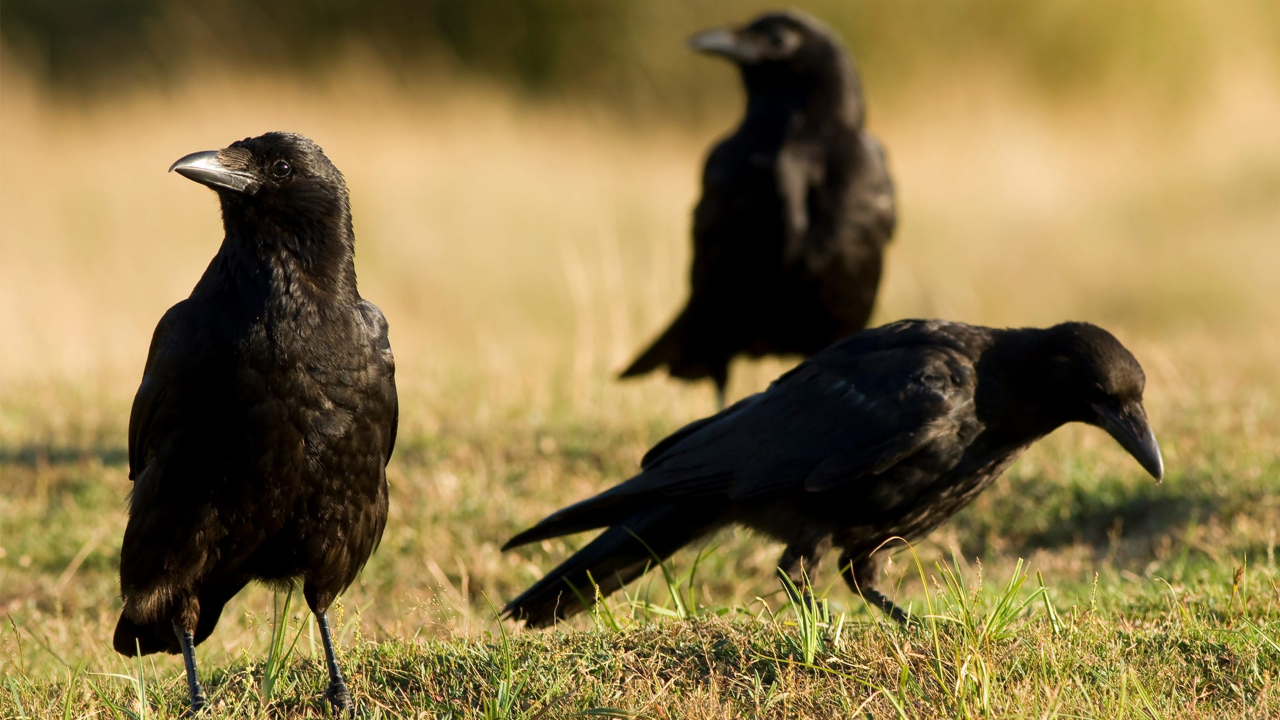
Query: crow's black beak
column 723, row 42
column 206, row 168
column 1129, row 426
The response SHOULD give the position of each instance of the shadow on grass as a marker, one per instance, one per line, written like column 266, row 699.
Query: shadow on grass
column 1041, row 515
column 44, row 455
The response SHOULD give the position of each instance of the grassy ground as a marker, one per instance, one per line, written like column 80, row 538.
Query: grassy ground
column 521, row 253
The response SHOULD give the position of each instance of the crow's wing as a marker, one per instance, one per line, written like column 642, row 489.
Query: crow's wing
column 177, row 359
column 181, row 431
column 840, row 199
column 738, row 223
column 385, row 369
column 819, row 426
column 872, row 201
column 839, row 418
column 712, row 217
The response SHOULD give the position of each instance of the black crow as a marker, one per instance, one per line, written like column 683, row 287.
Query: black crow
column 797, row 207
column 260, row 435
column 885, row 434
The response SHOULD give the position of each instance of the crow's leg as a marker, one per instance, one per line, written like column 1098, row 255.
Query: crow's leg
column 800, row 560
column 859, row 572
column 188, row 642
column 337, row 692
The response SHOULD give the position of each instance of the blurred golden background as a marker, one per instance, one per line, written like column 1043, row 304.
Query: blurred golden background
column 523, row 172
column 523, row 175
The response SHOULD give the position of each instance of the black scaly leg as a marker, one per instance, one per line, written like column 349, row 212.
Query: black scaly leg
column 879, row 599
column 337, row 693
column 799, row 560
column 859, row 575
column 188, row 643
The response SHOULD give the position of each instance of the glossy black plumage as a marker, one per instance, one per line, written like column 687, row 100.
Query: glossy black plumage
column 797, row 207
column 886, row 433
column 267, row 412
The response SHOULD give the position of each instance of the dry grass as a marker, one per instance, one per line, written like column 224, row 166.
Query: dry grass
column 522, row 252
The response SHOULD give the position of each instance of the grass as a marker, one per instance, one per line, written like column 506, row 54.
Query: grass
column 978, row 653
column 521, row 253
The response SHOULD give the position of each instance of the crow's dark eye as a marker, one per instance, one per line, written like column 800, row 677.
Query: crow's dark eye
column 280, row 170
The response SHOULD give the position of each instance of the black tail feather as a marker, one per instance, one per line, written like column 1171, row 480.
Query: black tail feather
column 689, row 352
column 607, row 508
column 619, row 555
column 666, row 350
column 133, row 638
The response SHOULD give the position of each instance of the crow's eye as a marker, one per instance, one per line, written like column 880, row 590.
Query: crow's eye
column 280, row 170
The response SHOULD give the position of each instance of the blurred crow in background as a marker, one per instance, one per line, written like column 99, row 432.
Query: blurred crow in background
column 797, row 207
column 885, row 434
column 260, row 435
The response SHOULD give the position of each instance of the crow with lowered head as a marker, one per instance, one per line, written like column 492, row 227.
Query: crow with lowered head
column 797, row 207
column 260, row 435
column 885, row 434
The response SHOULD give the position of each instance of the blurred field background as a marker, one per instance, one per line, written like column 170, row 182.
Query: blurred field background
column 522, row 176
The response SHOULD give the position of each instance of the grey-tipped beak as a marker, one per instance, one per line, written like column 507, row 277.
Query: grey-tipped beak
column 207, row 169
column 1129, row 426
column 718, row 41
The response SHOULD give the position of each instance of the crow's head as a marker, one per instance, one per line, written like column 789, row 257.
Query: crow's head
column 782, row 51
column 787, row 39
column 278, row 183
column 1096, row 380
column 279, row 193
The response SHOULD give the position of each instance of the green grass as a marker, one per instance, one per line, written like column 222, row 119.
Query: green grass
column 521, row 254
column 979, row 649
column 1142, row 598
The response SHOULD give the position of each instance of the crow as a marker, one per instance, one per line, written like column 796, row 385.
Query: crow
column 797, row 207
column 885, row 434
column 260, row 435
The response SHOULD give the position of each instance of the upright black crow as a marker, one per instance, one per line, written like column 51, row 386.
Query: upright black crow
column 260, row 435
column 887, row 433
column 797, row 207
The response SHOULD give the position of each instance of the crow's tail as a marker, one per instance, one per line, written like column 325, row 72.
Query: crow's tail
column 666, row 350
column 156, row 634
column 135, row 638
column 619, row 555
column 689, row 349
